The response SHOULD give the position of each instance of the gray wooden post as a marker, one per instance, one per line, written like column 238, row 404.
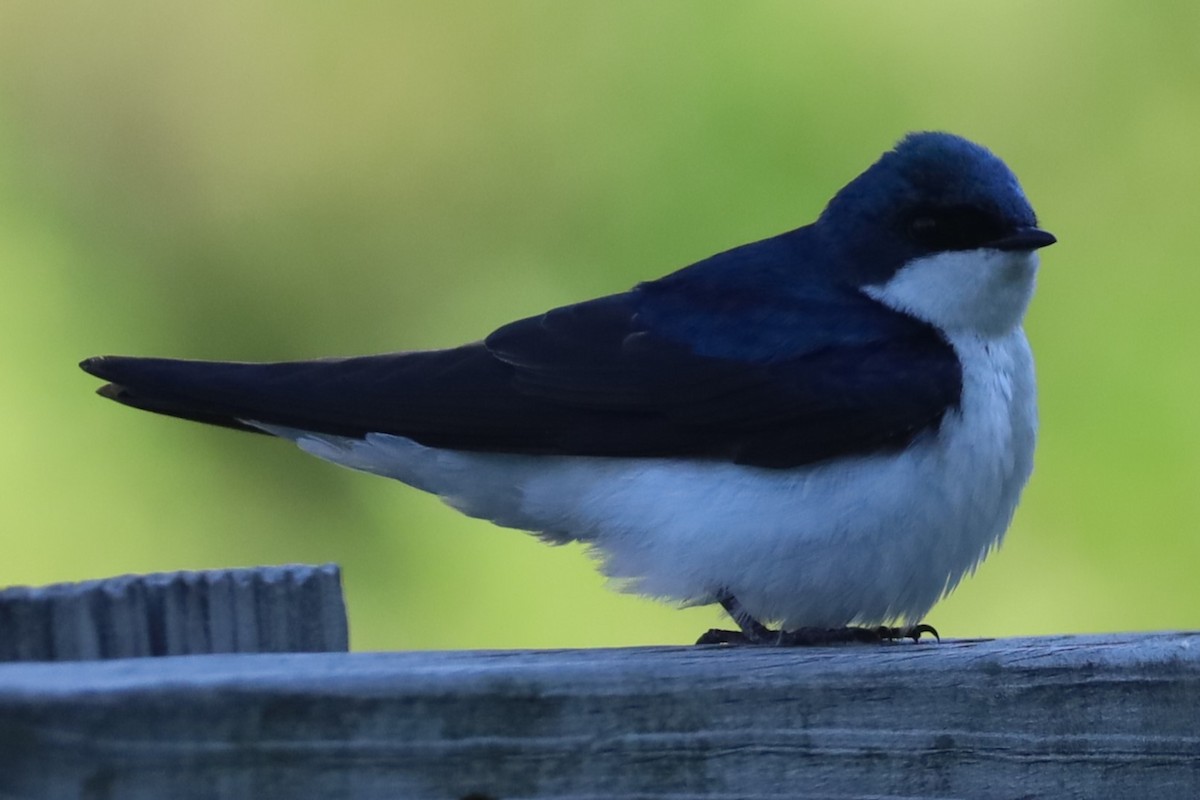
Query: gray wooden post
column 1063, row 717
column 294, row 608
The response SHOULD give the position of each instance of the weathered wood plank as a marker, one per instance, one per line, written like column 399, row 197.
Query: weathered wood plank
column 1069, row 717
column 295, row 608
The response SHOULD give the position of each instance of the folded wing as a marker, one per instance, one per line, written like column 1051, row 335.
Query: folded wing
column 598, row 378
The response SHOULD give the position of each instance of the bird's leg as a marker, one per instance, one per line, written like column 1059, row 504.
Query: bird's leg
column 752, row 631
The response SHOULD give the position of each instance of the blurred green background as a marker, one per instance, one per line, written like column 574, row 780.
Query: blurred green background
column 276, row 180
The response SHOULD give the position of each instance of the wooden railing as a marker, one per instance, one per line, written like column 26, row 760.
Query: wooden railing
column 1113, row 716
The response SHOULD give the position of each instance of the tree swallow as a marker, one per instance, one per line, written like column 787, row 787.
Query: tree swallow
column 823, row 429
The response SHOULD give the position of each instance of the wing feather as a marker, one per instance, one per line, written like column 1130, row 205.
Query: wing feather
column 601, row 378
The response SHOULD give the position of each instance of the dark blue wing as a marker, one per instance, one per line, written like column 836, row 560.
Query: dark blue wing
column 692, row 366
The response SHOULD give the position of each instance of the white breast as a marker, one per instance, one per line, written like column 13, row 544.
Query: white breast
column 863, row 540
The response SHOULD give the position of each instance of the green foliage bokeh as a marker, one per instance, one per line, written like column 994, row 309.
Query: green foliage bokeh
column 270, row 180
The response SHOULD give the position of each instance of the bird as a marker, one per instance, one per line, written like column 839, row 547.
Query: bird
column 822, row 431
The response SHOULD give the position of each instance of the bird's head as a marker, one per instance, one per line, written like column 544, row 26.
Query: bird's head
column 938, row 228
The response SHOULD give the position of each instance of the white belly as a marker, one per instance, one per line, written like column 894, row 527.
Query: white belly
column 859, row 540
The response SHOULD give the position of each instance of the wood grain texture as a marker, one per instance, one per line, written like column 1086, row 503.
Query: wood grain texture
column 1069, row 717
column 296, row 608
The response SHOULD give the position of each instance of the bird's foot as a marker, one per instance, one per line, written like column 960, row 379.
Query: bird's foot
column 754, row 632
column 815, row 637
column 913, row 632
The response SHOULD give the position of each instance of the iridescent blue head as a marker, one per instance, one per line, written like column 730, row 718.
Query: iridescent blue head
column 933, row 193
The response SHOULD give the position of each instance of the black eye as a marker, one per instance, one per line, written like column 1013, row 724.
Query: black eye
column 953, row 228
column 922, row 226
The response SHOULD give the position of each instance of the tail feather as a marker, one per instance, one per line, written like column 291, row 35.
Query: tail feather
column 171, row 387
column 447, row 398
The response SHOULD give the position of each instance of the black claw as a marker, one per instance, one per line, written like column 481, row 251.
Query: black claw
column 915, row 632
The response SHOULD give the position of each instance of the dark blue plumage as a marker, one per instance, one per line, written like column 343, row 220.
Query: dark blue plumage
column 933, row 193
column 589, row 379
column 768, row 354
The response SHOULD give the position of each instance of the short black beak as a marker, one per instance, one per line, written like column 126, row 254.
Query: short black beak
column 1024, row 239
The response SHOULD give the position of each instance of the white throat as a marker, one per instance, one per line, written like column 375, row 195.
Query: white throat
column 971, row 291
